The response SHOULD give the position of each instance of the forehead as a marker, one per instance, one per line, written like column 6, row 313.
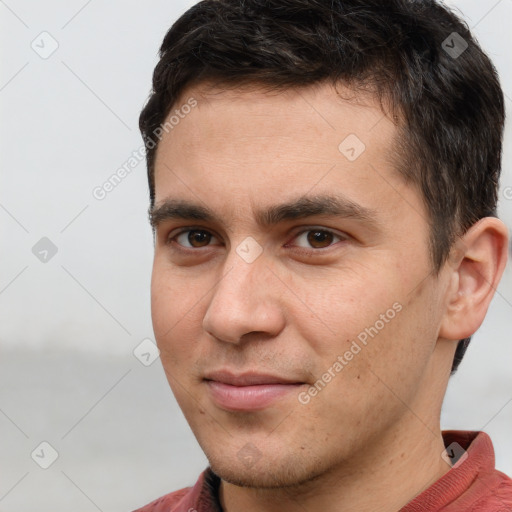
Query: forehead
column 255, row 145
column 326, row 109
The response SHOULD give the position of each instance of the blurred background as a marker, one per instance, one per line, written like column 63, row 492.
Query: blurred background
column 82, row 392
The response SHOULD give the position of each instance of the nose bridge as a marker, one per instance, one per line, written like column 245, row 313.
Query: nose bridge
column 246, row 266
column 242, row 301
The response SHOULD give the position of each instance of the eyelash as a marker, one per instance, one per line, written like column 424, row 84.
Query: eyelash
column 170, row 240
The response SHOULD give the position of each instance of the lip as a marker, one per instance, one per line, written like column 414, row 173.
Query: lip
column 249, row 391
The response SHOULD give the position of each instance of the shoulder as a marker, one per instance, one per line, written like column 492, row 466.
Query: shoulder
column 489, row 489
column 496, row 492
column 166, row 503
column 203, row 495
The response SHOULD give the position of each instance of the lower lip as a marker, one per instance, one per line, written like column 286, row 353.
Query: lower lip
column 248, row 398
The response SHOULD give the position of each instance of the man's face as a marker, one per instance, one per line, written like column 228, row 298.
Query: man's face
column 252, row 311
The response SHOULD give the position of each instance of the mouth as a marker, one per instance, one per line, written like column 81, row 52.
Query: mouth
column 249, row 391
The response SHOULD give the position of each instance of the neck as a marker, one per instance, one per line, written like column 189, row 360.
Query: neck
column 399, row 466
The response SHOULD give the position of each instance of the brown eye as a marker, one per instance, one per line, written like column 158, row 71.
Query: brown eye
column 317, row 239
column 320, row 239
column 194, row 238
column 199, row 238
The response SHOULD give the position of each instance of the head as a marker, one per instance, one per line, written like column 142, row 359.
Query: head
column 379, row 130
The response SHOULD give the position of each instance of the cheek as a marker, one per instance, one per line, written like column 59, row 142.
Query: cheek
column 401, row 351
column 163, row 311
column 382, row 331
column 177, row 311
column 172, row 297
column 341, row 306
column 169, row 310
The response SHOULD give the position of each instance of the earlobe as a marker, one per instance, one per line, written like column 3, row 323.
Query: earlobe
column 476, row 264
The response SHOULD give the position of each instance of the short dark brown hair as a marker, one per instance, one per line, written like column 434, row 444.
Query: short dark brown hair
column 417, row 55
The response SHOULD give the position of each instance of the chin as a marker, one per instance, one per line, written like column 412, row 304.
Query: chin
column 268, row 472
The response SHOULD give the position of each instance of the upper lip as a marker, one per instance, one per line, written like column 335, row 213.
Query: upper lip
column 248, row 378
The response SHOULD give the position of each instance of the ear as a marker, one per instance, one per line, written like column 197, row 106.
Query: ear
column 476, row 264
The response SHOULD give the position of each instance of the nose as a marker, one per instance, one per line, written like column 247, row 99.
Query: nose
column 245, row 301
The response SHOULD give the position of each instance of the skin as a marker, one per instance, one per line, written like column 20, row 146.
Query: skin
column 370, row 440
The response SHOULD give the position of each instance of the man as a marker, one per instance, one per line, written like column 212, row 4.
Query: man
column 323, row 181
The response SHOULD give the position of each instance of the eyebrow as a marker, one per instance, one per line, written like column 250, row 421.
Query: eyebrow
column 300, row 208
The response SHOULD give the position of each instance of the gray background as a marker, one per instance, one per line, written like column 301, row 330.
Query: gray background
column 68, row 326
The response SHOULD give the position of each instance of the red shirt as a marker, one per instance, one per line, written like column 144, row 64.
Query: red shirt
column 472, row 484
